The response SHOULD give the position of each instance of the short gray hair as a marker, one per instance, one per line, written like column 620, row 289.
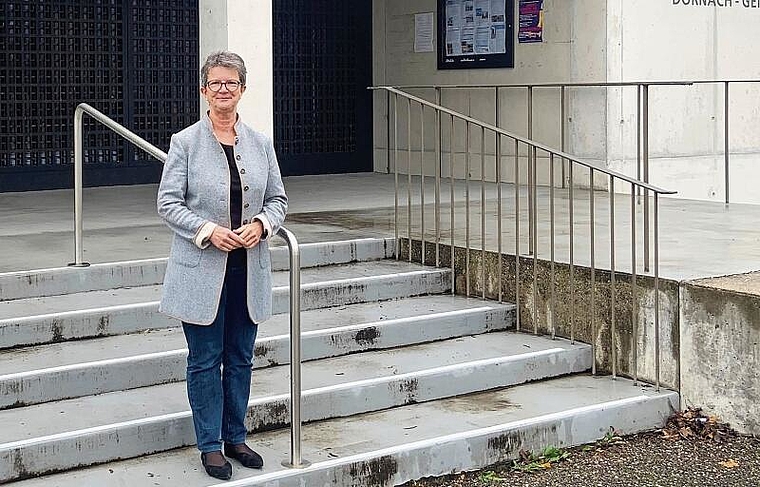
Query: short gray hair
column 225, row 59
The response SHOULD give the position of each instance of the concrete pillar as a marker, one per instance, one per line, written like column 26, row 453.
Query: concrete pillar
column 244, row 27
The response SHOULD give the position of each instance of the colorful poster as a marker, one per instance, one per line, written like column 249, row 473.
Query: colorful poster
column 531, row 21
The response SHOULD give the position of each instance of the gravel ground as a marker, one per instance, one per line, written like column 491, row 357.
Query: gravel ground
column 641, row 460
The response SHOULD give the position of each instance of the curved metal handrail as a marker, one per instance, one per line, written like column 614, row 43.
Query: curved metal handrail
column 119, row 129
column 295, row 264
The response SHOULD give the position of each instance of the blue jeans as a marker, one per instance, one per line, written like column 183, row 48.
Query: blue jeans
column 219, row 367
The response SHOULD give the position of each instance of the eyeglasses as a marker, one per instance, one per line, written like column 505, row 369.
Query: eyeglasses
column 231, row 85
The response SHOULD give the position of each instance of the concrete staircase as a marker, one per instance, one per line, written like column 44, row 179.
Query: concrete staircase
column 401, row 379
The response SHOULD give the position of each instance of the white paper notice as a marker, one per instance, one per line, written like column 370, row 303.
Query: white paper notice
column 423, row 32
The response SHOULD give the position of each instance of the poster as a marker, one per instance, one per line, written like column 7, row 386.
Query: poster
column 531, row 21
column 475, row 33
column 423, row 32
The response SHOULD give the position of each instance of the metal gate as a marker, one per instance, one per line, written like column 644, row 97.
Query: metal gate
column 134, row 60
column 322, row 68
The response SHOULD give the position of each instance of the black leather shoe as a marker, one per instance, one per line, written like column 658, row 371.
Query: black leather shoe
column 243, row 454
column 223, row 472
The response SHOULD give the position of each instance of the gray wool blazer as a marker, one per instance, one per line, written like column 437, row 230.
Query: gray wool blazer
column 195, row 189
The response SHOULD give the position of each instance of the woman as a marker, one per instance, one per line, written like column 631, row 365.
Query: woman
column 222, row 196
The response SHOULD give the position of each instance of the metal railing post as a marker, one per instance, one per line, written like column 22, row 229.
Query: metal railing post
column 592, row 248
column 645, row 155
column 438, row 169
column 397, row 249
column 657, row 290
column 388, row 132
column 451, row 206
column 409, row 178
column 638, row 135
column 500, row 264
column 517, row 235
column 726, row 154
column 483, row 211
column 634, row 291
column 78, row 170
column 571, row 235
column 552, row 278
column 613, row 296
column 422, row 184
column 531, row 172
column 562, row 129
column 295, row 350
column 467, row 208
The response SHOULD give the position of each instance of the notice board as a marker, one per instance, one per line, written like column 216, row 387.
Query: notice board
column 475, row 34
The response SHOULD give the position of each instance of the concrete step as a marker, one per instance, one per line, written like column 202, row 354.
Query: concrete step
column 66, row 370
column 390, row 447
column 126, row 424
column 31, row 321
column 68, row 280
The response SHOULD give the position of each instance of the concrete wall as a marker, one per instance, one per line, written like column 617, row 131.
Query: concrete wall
column 665, row 39
column 720, row 349
column 572, row 318
column 709, row 335
column 244, row 27
column 570, row 52
column 598, row 41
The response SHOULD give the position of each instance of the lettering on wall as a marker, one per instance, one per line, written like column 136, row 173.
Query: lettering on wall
column 718, row 3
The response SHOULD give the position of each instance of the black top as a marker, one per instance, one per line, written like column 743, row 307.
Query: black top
column 236, row 258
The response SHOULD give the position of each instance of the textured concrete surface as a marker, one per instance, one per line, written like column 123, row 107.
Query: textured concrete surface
column 720, row 341
column 76, row 369
column 121, row 224
column 616, row 331
column 437, row 437
column 100, row 313
column 102, row 428
column 67, row 280
column 748, row 283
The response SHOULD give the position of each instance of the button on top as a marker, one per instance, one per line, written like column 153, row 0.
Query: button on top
column 237, row 157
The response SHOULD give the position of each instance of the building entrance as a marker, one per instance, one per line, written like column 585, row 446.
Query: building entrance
column 134, row 60
column 322, row 68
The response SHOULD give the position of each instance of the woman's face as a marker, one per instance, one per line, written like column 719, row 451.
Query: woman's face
column 225, row 100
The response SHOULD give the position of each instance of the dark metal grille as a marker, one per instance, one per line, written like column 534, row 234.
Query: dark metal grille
column 164, row 45
column 135, row 62
column 321, row 63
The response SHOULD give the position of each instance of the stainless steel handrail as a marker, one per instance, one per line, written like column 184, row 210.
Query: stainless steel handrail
column 296, row 461
column 642, row 95
column 532, row 143
column 610, row 84
column 119, row 129
column 461, row 263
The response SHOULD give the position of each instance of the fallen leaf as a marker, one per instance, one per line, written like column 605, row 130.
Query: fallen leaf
column 730, row 463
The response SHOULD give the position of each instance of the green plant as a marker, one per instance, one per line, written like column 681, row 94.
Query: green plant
column 491, row 476
column 530, row 462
